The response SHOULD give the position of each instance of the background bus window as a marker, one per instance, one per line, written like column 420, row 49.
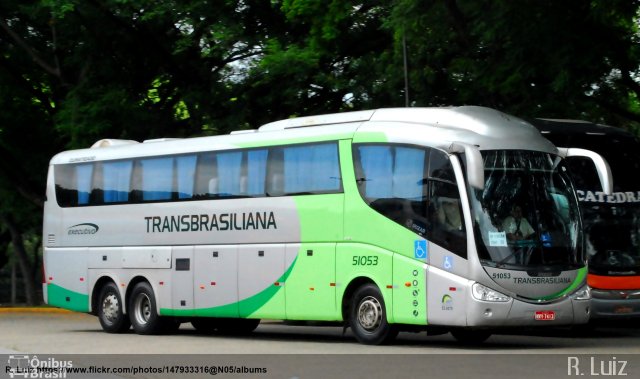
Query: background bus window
column 587, row 180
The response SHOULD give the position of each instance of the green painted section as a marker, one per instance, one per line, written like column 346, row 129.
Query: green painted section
column 367, row 233
column 369, row 137
column 358, row 260
column 63, row 298
column 310, row 290
column 409, row 301
column 577, row 283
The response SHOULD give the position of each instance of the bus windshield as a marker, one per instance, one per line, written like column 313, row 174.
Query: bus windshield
column 527, row 216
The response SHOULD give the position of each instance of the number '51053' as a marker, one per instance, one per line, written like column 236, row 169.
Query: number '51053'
column 364, row 260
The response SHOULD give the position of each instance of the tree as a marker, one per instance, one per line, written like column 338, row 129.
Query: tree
column 533, row 58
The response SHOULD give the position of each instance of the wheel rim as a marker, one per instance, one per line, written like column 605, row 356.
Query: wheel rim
column 142, row 309
column 370, row 313
column 110, row 308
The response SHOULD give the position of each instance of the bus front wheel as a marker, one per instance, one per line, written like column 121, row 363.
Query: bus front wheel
column 110, row 310
column 142, row 310
column 368, row 318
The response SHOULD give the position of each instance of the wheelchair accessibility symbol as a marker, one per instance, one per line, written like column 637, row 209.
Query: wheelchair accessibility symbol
column 420, row 249
column 448, row 263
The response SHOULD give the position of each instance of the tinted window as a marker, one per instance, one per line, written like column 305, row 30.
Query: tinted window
column 297, row 169
column 394, row 180
column 311, row 169
column 185, row 175
column 157, row 178
column 116, row 177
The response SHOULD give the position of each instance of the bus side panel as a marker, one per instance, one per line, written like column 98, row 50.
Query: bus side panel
column 310, row 289
column 409, row 290
column 447, row 297
column 66, row 275
column 182, row 278
column 356, row 260
column 260, row 271
column 216, row 281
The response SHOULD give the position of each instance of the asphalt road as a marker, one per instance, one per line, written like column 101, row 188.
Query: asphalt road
column 312, row 351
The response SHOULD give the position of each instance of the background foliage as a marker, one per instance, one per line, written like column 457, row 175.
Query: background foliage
column 75, row 71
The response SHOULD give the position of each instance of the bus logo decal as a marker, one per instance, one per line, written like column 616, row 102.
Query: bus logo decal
column 447, row 303
column 85, row 228
column 211, row 222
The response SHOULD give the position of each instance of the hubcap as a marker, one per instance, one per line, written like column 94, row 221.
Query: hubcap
column 142, row 309
column 110, row 308
column 370, row 313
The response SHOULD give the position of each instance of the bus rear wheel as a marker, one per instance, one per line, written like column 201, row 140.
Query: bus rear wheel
column 142, row 311
column 368, row 318
column 110, row 310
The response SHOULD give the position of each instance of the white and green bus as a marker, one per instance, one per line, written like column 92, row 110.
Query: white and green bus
column 383, row 220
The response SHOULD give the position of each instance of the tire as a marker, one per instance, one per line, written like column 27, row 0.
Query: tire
column 470, row 336
column 368, row 317
column 142, row 311
column 110, row 310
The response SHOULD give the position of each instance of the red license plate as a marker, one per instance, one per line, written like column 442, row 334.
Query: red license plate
column 545, row 315
column 622, row 309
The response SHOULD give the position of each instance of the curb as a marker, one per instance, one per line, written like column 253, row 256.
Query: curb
column 33, row 310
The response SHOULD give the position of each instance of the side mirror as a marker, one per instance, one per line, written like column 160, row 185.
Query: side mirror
column 604, row 171
column 474, row 163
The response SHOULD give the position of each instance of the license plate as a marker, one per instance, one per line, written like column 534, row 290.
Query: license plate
column 622, row 309
column 545, row 315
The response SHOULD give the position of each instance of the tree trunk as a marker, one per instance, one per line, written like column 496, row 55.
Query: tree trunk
column 26, row 268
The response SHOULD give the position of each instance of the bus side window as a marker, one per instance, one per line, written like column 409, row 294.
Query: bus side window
column 205, row 171
column 73, row 184
column 157, row 178
column 311, row 168
column 185, row 176
column 229, row 171
column 391, row 179
column 256, row 172
column 275, row 172
column 82, row 178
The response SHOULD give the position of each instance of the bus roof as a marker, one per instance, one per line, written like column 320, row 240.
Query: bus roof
column 437, row 127
column 561, row 126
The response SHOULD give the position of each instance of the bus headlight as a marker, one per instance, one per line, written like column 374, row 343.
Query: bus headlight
column 583, row 294
column 484, row 293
